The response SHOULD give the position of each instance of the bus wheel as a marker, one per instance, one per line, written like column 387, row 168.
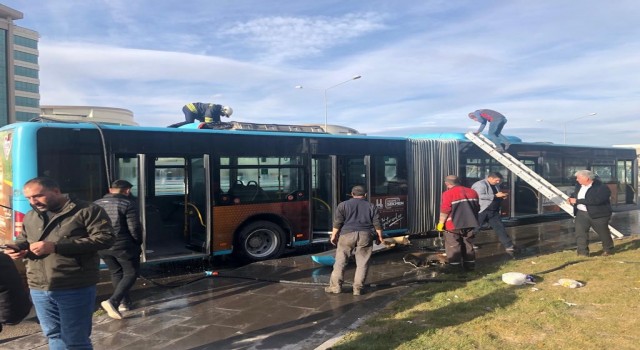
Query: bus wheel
column 261, row 240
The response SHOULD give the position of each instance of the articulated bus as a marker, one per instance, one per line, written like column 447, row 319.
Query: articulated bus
column 256, row 192
column 616, row 167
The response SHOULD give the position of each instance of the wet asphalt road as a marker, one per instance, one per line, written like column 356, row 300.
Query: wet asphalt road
column 280, row 304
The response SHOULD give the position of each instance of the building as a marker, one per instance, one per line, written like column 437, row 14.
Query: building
column 104, row 115
column 19, row 82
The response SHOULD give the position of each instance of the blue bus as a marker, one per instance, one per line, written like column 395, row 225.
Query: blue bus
column 257, row 190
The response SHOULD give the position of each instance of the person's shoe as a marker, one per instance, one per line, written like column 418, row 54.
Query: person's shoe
column 124, row 307
column 510, row 250
column 476, row 247
column 586, row 255
column 607, row 253
column 332, row 290
column 506, row 146
column 111, row 310
column 357, row 292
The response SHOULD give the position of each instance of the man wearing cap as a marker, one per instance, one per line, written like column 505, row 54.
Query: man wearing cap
column 123, row 258
column 353, row 233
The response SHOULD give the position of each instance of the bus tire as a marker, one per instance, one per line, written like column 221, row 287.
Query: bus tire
column 261, row 240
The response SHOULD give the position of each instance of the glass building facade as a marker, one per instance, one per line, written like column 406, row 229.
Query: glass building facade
column 19, row 69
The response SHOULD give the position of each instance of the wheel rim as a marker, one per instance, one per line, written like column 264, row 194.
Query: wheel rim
column 261, row 243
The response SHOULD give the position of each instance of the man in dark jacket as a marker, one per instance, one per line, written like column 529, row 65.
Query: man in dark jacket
column 14, row 299
column 458, row 216
column 123, row 258
column 60, row 239
column 592, row 209
column 353, row 227
column 205, row 112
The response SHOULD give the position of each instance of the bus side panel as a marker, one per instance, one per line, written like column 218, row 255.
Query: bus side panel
column 6, row 192
column 227, row 219
column 393, row 212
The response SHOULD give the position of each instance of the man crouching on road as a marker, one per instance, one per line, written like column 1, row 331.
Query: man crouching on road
column 353, row 227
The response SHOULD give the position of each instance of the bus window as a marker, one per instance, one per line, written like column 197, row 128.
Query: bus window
column 169, row 176
column 604, row 172
column 127, row 169
column 571, row 166
column 261, row 179
column 389, row 175
column 552, row 169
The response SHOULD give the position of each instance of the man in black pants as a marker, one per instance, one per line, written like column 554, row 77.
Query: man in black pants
column 592, row 208
column 123, row 258
column 490, row 201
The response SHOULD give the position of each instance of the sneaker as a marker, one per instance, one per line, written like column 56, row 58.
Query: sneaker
column 357, row 292
column 111, row 310
column 124, row 307
column 510, row 249
column 332, row 290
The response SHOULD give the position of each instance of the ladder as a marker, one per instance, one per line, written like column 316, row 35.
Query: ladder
column 529, row 176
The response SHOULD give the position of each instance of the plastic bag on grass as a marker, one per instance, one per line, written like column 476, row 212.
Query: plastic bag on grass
column 568, row 283
column 517, row 278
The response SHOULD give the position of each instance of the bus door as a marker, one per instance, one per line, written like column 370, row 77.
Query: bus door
column 524, row 198
column 175, row 206
column 332, row 178
column 626, row 189
column 322, row 195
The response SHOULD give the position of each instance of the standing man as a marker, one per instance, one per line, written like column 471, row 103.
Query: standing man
column 497, row 121
column 123, row 258
column 205, row 112
column 458, row 218
column 353, row 227
column 60, row 239
column 592, row 208
column 490, row 201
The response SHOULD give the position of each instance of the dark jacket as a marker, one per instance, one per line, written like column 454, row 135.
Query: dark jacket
column 79, row 230
column 14, row 298
column 356, row 214
column 461, row 205
column 123, row 213
column 597, row 199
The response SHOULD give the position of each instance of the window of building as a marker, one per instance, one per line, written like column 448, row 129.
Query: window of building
column 26, row 72
column 25, row 116
column 26, row 42
column 26, row 57
column 28, row 87
column 27, row 102
column 4, row 106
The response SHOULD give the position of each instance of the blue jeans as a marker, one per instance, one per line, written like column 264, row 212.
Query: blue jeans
column 495, row 133
column 66, row 316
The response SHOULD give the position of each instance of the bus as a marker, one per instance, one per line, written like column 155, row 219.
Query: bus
column 616, row 167
column 257, row 190
column 204, row 192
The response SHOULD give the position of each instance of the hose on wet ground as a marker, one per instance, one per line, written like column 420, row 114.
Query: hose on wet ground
column 208, row 274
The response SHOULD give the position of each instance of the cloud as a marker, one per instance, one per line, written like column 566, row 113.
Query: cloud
column 286, row 38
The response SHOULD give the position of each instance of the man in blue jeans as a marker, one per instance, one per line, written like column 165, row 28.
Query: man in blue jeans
column 123, row 258
column 60, row 239
column 497, row 122
column 490, row 200
column 353, row 229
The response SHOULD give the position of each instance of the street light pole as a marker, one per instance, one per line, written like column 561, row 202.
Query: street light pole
column 564, row 138
column 326, row 107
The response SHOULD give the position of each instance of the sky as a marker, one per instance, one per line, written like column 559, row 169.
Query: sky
column 547, row 65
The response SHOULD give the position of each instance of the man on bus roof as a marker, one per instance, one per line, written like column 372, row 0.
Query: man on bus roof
column 205, row 112
column 497, row 122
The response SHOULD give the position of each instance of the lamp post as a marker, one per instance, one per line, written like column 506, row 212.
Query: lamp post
column 564, row 134
column 326, row 108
